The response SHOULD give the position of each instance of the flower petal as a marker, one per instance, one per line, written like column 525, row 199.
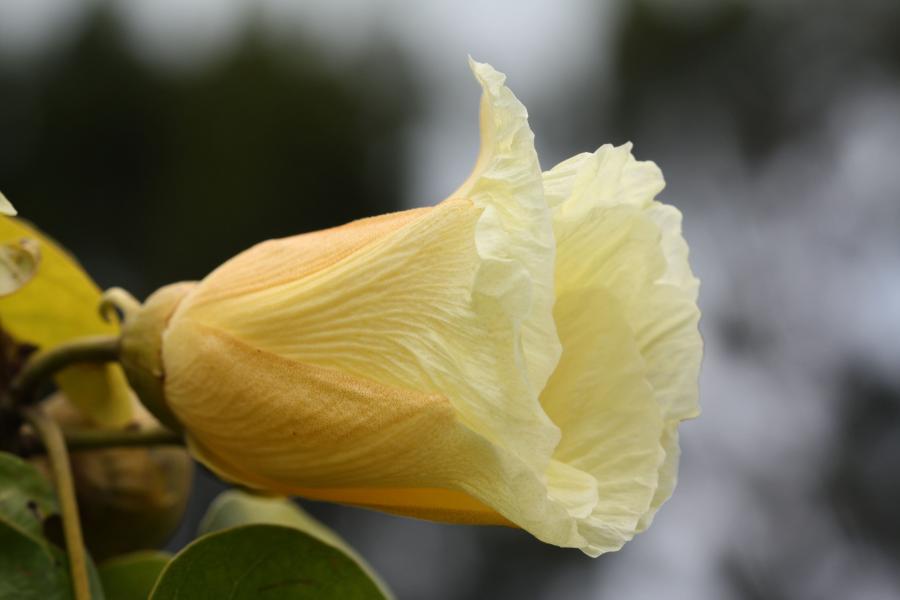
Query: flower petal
column 599, row 397
column 668, row 474
column 664, row 313
column 456, row 300
column 666, row 321
column 636, row 254
column 608, row 177
column 321, row 433
column 403, row 312
column 276, row 262
column 672, row 345
column 516, row 225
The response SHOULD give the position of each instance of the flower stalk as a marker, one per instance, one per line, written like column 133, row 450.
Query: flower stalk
column 45, row 363
column 53, row 441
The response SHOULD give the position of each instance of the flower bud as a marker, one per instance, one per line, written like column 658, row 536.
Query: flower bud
column 519, row 354
column 129, row 498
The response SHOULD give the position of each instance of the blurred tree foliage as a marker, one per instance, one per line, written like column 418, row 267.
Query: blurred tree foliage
column 862, row 482
column 158, row 177
column 770, row 72
column 769, row 75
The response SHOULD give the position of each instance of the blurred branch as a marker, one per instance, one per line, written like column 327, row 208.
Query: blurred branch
column 96, row 439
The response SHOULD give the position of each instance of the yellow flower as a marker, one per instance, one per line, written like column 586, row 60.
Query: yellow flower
column 519, row 354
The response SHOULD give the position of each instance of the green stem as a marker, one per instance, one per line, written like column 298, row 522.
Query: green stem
column 52, row 438
column 117, row 299
column 97, row 439
column 44, row 364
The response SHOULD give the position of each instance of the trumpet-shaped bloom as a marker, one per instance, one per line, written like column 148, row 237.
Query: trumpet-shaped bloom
column 519, row 354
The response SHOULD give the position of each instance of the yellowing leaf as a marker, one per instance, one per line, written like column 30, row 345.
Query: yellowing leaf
column 60, row 303
column 6, row 207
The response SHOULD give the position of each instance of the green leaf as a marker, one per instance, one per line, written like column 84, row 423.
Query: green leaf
column 31, row 567
column 260, row 562
column 236, row 507
column 131, row 576
column 26, row 497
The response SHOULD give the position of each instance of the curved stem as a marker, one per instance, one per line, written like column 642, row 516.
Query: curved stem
column 118, row 300
column 52, row 438
column 96, row 439
column 44, row 364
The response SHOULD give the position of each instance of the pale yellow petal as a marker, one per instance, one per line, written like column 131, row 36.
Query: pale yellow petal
column 516, row 226
column 659, row 292
column 622, row 241
column 455, row 301
column 671, row 345
column 296, row 257
column 405, row 311
column 668, row 473
column 602, row 402
column 666, row 321
column 59, row 303
column 608, row 177
column 321, row 433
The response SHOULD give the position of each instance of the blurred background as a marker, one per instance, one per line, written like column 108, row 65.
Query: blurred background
column 157, row 138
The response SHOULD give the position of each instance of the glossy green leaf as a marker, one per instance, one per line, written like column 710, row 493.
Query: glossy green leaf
column 235, row 507
column 132, row 576
column 59, row 303
column 260, row 562
column 26, row 497
column 31, row 567
column 34, row 569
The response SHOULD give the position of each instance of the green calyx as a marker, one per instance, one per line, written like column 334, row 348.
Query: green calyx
column 141, row 347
